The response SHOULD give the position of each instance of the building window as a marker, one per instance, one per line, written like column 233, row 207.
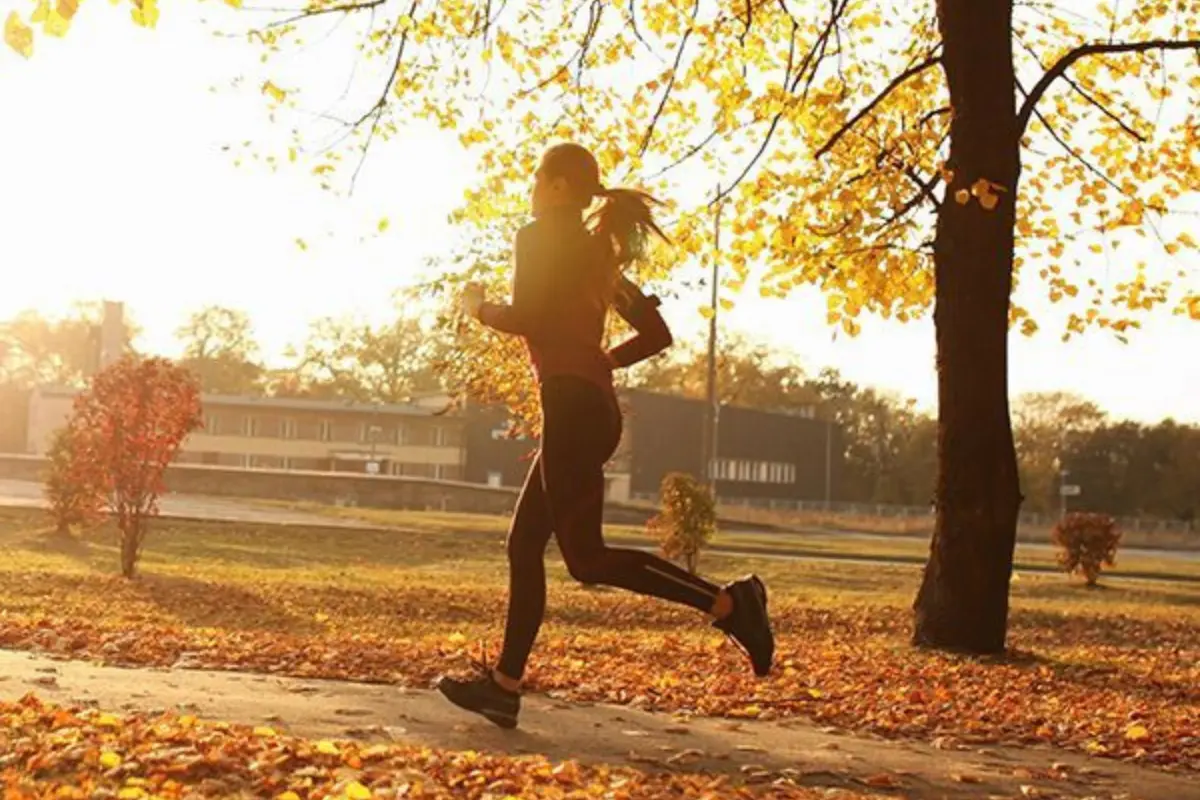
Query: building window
column 439, row 436
column 249, row 425
column 287, row 428
column 212, row 424
column 495, row 479
column 325, row 430
column 742, row 471
column 401, row 436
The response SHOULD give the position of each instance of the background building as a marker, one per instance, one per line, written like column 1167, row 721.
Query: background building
column 283, row 433
column 761, row 455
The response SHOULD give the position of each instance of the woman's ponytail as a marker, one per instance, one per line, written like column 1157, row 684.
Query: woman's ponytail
column 624, row 222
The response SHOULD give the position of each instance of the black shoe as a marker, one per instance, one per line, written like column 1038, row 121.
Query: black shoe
column 748, row 626
column 484, row 696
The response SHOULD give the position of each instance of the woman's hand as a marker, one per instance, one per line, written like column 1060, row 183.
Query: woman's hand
column 472, row 298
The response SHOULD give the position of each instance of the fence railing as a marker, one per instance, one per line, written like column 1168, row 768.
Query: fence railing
column 912, row 518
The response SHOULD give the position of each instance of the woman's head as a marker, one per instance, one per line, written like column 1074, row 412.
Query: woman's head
column 569, row 178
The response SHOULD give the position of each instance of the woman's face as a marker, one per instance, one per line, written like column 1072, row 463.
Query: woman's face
column 548, row 193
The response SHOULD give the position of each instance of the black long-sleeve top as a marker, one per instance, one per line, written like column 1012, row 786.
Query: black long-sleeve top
column 561, row 294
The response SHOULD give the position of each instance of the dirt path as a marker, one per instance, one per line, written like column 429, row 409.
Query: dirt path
column 819, row 758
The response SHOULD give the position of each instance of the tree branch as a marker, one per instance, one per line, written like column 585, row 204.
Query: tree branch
column 347, row 8
column 1064, row 63
column 911, row 72
column 376, row 110
column 1085, row 95
column 662, row 103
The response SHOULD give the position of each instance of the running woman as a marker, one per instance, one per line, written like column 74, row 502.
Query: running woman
column 567, row 275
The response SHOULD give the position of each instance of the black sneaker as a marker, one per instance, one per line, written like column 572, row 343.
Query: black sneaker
column 484, row 696
column 748, row 626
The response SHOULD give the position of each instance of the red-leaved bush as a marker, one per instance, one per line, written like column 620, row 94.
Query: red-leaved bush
column 127, row 426
column 1086, row 542
column 73, row 499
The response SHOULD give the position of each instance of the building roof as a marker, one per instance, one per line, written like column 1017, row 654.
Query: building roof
column 426, row 409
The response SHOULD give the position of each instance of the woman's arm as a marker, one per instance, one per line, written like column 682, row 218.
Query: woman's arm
column 526, row 313
column 641, row 312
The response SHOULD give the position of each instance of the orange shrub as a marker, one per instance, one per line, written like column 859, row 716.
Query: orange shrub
column 1086, row 543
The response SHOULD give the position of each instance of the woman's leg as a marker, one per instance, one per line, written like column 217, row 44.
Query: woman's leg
column 493, row 692
column 582, row 427
column 528, row 536
column 581, row 430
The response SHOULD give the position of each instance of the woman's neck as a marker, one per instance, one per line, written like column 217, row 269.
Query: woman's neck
column 563, row 214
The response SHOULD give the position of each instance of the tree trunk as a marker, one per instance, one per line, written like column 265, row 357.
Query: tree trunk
column 131, row 542
column 963, row 600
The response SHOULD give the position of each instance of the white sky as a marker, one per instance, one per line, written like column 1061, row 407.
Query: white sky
column 114, row 185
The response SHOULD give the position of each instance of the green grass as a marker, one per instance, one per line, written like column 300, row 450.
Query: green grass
column 815, row 545
column 250, row 555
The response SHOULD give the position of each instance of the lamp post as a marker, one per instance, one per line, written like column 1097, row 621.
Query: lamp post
column 714, row 407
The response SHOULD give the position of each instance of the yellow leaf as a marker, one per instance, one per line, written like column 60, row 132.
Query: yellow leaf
column 1095, row 248
column 109, row 759
column 40, row 12
column 236, row 4
column 18, row 35
column 291, row 154
column 328, row 748
column 962, row 197
column 303, row 245
column 383, row 224
column 989, row 201
column 287, row 795
column 107, row 721
column 321, row 616
column 56, row 25
column 1137, row 733
column 726, row 305
column 66, row 8
column 1171, row 248
column 263, row 730
column 706, row 312
column 356, row 791
column 457, row 638
column 145, row 13
column 276, row 94
column 131, row 793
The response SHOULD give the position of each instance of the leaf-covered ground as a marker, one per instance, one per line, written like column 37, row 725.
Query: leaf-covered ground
column 53, row 751
column 1113, row 673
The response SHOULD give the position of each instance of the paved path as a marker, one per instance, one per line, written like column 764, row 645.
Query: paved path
column 29, row 494
column 795, row 748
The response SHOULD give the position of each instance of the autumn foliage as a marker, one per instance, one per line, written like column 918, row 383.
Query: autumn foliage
column 1087, row 542
column 126, row 427
column 688, row 518
column 73, row 499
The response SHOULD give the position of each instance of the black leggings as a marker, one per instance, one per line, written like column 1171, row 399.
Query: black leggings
column 564, row 496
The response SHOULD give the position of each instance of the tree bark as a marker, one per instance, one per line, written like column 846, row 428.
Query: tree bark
column 963, row 600
column 131, row 544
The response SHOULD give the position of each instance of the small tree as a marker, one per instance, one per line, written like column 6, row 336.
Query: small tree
column 129, row 424
column 73, row 496
column 1087, row 542
column 688, row 518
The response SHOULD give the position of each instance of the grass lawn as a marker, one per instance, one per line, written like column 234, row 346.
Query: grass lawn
column 1112, row 672
column 834, row 545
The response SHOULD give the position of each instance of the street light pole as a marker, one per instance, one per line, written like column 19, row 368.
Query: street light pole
column 828, row 461
column 714, row 407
